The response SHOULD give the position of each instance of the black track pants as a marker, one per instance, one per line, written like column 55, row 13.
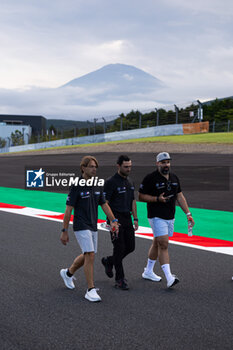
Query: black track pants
column 123, row 245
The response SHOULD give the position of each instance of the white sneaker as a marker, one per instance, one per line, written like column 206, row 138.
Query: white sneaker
column 172, row 281
column 67, row 280
column 151, row 276
column 92, row 295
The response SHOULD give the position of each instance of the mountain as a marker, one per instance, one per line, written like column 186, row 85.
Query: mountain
column 115, row 81
column 106, row 92
column 65, row 124
column 70, row 124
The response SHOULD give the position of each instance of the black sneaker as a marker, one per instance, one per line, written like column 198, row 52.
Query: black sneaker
column 121, row 284
column 108, row 267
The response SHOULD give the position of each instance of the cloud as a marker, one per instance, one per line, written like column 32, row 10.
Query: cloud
column 187, row 44
column 82, row 104
column 215, row 7
column 72, row 102
column 128, row 77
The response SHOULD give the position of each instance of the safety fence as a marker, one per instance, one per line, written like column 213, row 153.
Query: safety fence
column 163, row 130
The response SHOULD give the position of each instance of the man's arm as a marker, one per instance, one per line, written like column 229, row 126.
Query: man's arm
column 151, row 199
column 64, row 235
column 107, row 210
column 184, row 206
column 134, row 212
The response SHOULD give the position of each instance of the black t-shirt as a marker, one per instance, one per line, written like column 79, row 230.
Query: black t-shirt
column 119, row 192
column 154, row 184
column 85, row 200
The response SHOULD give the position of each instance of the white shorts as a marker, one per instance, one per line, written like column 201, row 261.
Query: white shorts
column 87, row 240
column 161, row 227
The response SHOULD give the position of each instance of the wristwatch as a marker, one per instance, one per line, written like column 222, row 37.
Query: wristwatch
column 64, row 230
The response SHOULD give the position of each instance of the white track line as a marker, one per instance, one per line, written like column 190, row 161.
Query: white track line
column 33, row 212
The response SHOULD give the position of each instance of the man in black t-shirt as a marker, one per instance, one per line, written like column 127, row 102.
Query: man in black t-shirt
column 84, row 200
column 119, row 193
column 160, row 190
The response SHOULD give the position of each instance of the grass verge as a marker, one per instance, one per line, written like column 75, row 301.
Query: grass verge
column 215, row 138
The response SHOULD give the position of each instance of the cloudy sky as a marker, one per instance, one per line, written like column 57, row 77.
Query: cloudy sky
column 186, row 44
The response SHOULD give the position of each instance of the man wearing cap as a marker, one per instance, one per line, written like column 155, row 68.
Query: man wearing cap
column 160, row 190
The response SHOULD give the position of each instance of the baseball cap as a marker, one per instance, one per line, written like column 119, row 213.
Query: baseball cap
column 163, row 156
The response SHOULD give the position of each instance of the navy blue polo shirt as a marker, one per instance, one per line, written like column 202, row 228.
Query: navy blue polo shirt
column 119, row 192
column 85, row 200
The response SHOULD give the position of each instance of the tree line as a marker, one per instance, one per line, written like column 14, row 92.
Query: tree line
column 218, row 111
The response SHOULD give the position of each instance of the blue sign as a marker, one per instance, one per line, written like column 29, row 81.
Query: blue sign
column 35, row 178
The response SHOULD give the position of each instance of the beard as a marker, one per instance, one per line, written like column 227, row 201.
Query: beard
column 123, row 173
column 165, row 170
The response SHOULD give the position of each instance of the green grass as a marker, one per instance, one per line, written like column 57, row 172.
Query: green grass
column 208, row 223
column 220, row 138
column 226, row 138
column 217, row 138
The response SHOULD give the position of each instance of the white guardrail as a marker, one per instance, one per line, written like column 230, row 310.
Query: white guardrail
column 162, row 130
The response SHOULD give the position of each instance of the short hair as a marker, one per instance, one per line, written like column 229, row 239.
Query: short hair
column 86, row 160
column 122, row 158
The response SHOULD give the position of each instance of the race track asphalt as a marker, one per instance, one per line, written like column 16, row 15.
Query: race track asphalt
column 206, row 179
column 38, row 312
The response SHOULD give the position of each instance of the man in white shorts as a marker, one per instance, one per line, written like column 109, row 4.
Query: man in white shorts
column 85, row 200
column 160, row 190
